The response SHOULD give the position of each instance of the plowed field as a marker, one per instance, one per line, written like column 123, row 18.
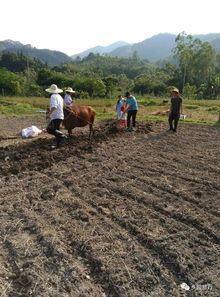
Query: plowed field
column 135, row 215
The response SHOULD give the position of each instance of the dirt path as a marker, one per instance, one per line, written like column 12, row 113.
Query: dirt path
column 136, row 215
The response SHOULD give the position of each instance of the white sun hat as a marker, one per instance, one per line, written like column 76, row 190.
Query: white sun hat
column 70, row 90
column 54, row 89
column 175, row 90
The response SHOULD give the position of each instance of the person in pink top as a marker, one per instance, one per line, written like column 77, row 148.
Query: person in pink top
column 123, row 116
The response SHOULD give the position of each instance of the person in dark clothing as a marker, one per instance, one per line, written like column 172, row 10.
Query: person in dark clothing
column 175, row 110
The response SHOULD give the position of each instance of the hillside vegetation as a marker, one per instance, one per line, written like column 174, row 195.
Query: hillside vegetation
column 50, row 57
column 196, row 73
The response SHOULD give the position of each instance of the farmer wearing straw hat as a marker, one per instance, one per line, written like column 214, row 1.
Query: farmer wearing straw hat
column 68, row 98
column 175, row 109
column 55, row 114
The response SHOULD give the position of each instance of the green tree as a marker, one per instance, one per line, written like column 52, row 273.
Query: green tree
column 10, row 83
column 47, row 77
column 217, row 65
column 203, row 63
column 196, row 59
column 184, row 51
column 189, row 91
column 110, row 82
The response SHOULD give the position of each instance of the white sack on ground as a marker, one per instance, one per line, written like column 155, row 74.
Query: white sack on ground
column 30, row 132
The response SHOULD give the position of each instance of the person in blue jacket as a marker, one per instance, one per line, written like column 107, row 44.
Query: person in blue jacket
column 132, row 109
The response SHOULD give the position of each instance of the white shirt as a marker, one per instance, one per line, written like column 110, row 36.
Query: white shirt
column 56, row 101
column 68, row 100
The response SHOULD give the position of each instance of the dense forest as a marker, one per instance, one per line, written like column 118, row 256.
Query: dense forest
column 195, row 70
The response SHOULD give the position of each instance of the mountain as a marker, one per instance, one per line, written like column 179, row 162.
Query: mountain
column 213, row 39
column 154, row 48
column 101, row 49
column 160, row 46
column 53, row 58
column 207, row 37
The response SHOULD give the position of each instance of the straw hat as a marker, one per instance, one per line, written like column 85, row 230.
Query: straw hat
column 54, row 89
column 70, row 90
column 175, row 90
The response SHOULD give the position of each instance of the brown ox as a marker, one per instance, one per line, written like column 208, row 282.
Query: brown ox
column 78, row 116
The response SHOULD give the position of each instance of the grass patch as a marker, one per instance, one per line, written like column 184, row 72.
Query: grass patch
column 12, row 108
column 202, row 103
column 38, row 102
column 151, row 103
column 154, row 102
column 197, row 111
column 213, row 108
column 188, row 106
column 203, row 122
column 103, row 116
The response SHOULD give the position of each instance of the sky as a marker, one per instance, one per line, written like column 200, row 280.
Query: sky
column 72, row 26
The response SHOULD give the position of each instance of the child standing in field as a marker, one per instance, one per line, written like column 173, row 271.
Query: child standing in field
column 123, row 115
column 118, row 107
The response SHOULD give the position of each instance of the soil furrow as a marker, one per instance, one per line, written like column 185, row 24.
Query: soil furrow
column 136, row 215
column 190, row 222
